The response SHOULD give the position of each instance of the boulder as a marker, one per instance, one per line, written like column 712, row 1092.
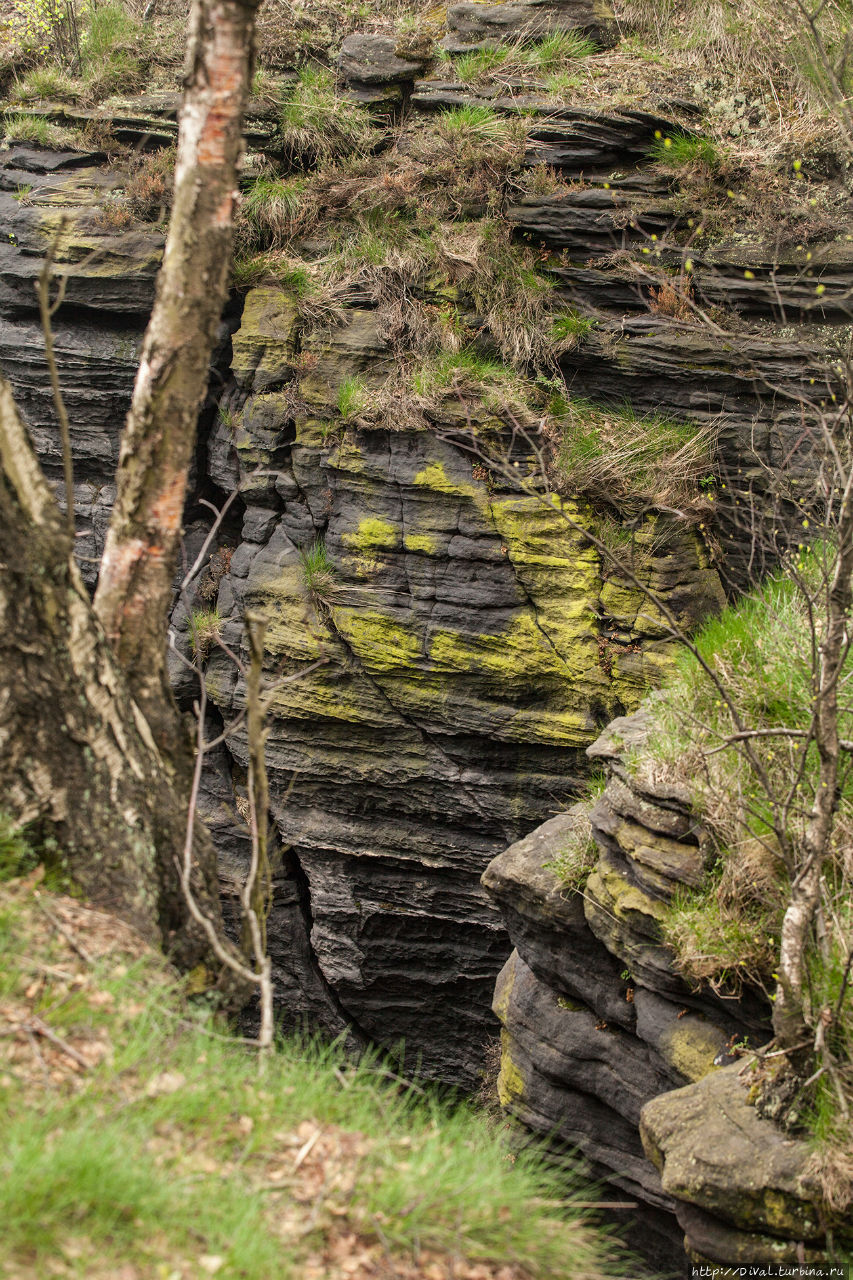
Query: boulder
column 373, row 60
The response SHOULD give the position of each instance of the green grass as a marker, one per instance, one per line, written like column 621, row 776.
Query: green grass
column 475, row 122
column 172, row 1149
column 40, row 131
column 454, row 367
column 271, row 212
column 16, row 855
column 205, row 629
column 480, row 64
column 351, row 398
column 572, row 327
column 250, row 269
column 624, row 458
column 319, row 577
column 111, row 47
column 578, row 853
column 562, row 47
column 682, row 151
column 555, row 54
column 317, row 124
column 760, row 649
column 48, row 82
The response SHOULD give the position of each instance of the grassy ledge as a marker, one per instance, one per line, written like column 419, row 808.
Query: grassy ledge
column 141, row 1141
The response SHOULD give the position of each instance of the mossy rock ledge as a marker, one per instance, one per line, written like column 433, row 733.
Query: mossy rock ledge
column 607, row 1049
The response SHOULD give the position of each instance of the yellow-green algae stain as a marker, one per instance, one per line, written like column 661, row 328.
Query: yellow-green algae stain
column 434, row 476
column 692, row 1049
column 510, row 1079
column 380, row 643
column 420, row 542
column 373, row 534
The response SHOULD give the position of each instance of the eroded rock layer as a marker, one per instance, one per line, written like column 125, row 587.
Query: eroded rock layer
column 608, row 1049
column 463, row 643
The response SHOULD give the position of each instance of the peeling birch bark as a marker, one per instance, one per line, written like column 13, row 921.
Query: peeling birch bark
column 141, row 553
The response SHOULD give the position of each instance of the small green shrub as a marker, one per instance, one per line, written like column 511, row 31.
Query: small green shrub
column 682, row 151
column 475, row 122
column 560, row 48
column 40, row 131
column 629, row 460
column 572, row 328
column 45, row 82
column 16, row 855
column 480, row 64
column 272, row 211
column 316, row 124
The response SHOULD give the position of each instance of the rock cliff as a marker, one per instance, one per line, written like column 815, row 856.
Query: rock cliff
column 608, row 1049
column 470, row 642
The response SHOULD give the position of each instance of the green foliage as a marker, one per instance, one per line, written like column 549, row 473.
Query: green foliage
column 578, row 853
column 572, row 327
column 170, row 1150
column 272, row 211
column 475, row 122
column 39, row 130
column 351, row 398
column 480, row 64
column 45, row 82
column 761, row 650
column 205, row 630
column 560, row 48
column 629, row 460
column 681, row 151
column 316, row 124
column 17, row 857
column 453, row 368
column 248, row 270
column 318, row 572
column 109, row 27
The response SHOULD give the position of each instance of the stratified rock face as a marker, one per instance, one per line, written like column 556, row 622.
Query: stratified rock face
column 459, row 638
column 597, row 1022
column 372, row 59
column 473, row 25
column 52, row 198
column 742, row 1189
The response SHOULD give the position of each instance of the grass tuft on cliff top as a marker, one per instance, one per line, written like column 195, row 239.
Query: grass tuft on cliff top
column 139, row 1136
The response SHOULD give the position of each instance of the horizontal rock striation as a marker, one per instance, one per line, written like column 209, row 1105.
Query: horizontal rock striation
column 465, row 643
column 608, row 1049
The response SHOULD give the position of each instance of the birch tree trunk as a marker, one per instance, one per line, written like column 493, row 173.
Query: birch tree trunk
column 80, row 766
column 94, row 759
column 141, row 553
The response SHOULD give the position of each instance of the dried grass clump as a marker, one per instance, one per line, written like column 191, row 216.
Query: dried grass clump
column 632, row 463
column 316, row 124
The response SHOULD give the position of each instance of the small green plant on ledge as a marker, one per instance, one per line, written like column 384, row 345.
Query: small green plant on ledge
column 571, row 328
column 683, row 151
column 352, row 399
column 318, row 573
column 41, row 131
column 205, row 630
column 631, row 461
column 317, row 124
column 45, row 83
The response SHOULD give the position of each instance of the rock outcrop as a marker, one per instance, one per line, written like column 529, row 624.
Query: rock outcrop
column 469, row 643
column 608, row 1049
